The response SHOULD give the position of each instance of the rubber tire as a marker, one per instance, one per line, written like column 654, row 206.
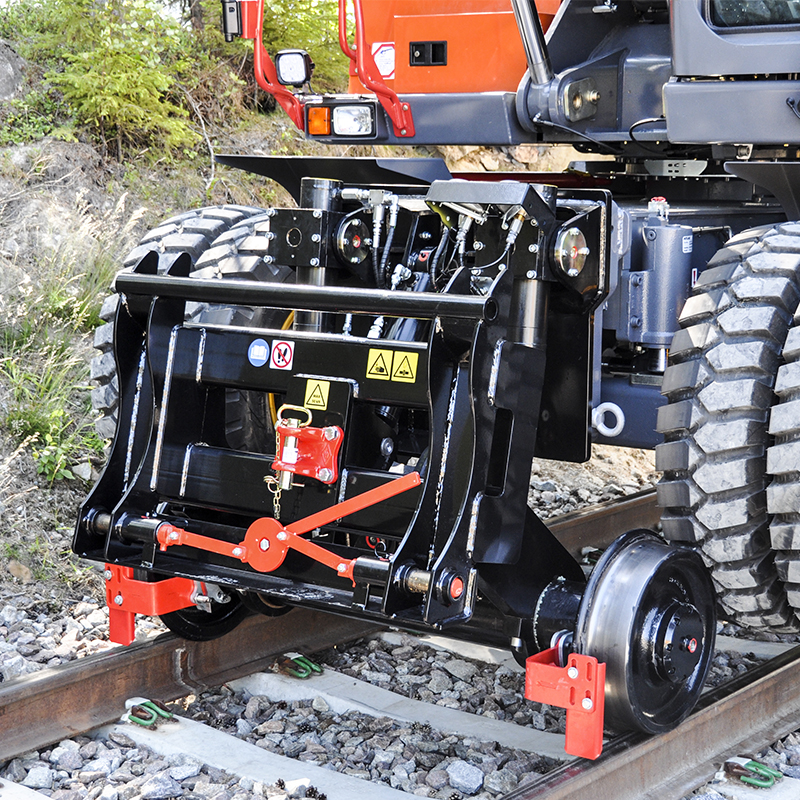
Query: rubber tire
column 783, row 458
column 239, row 254
column 719, row 386
column 192, row 232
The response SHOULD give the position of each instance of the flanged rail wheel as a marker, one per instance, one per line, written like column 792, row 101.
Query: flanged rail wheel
column 648, row 612
column 198, row 625
column 719, row 386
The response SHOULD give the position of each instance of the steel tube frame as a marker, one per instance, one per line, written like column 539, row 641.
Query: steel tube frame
column 416, row 305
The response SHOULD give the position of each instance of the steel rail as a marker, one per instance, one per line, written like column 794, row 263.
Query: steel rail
column 741, row 716
column 599, row 525
column 56, row 703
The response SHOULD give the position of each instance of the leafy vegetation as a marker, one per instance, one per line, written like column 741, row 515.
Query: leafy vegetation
column 138, row 78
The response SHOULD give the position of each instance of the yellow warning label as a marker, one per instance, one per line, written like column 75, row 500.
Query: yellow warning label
column 317, row 394
column 379, row 364
column 392, row 365
column 404, row 367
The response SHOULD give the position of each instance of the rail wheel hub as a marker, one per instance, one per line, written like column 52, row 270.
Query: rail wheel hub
column 678, row 642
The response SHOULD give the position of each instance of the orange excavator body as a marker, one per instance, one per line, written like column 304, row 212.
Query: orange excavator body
column 444, row 54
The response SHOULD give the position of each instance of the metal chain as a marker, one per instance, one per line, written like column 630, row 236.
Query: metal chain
column 274, row 488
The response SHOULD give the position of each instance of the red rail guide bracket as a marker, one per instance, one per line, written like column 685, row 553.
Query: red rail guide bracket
column 127, row 597
column 580, row 688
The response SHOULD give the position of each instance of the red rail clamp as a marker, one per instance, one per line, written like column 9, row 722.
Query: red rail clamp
column 580, row 688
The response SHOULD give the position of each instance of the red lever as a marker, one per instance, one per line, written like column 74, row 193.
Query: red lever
column 580, row 688
column 267, row 541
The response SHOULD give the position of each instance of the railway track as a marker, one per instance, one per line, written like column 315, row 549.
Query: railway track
column 742, row 715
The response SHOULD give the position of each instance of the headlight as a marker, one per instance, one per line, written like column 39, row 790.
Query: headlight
column 352, row 121
column 570, row 251
column 294, row 67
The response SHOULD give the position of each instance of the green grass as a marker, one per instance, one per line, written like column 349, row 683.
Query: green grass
column 43, row 354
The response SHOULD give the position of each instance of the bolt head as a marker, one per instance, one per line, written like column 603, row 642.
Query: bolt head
column 533, row 248
column 108, row 575
column 237, row 551
column 587, row 703
column 314, row 262
column 403, row 132
column 341, row 568
column 325, row 474
column 330, row 434
column 530, row 274
column 118, row 600
column 572, row 672
column 174, row 537
column 263, row 545
column 283, row 536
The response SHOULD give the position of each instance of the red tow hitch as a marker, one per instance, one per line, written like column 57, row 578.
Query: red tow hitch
column 580, row 688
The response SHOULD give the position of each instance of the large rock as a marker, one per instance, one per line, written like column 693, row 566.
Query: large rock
column 11, row 71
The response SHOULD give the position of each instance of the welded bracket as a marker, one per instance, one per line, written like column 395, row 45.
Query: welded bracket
column 579, row 686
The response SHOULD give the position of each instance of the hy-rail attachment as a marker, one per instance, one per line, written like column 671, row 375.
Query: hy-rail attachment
column 401, row 409
column 336, row 404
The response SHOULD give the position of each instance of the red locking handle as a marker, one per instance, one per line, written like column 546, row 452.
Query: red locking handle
column 314, row 452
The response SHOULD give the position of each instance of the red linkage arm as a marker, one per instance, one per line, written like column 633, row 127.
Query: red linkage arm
column 267, row 542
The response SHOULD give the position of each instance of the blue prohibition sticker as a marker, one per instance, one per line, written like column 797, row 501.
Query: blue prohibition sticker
column 258, row 353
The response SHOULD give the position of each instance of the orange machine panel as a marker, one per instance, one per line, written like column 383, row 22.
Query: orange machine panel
column 478, row 40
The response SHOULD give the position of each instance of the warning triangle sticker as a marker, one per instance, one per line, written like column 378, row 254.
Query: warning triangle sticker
column 405, row 369
column 378, row 364
column 378, row 367
column 316, row 398
column 316, row 394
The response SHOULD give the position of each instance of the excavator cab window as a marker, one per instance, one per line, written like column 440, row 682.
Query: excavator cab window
column 750, row 13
